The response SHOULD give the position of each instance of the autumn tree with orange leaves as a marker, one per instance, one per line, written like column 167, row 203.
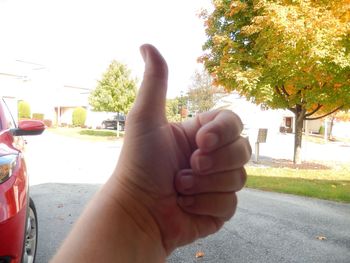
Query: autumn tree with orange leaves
column 288, row 54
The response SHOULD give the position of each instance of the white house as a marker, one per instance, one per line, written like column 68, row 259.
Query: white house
column 255, row 116
column 42, row 89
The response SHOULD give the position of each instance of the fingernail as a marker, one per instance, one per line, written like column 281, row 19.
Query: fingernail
column 187, row 181
column 204, row 163
column 210, row 140
column 186, row 201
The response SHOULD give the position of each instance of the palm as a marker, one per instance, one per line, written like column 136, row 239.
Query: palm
column 161, row 152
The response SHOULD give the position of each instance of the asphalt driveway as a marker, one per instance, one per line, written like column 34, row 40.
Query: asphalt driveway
column 268, row 227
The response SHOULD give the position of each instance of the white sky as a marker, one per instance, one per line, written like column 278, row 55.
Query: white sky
column 77, row 39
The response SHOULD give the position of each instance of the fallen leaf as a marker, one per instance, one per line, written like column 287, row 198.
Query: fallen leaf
column 199, row 254
column 321, row 238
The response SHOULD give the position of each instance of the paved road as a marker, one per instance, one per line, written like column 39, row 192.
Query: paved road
column 268, row 227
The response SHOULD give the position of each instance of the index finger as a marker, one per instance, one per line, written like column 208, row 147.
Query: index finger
column 224, row 129
column 211, row 130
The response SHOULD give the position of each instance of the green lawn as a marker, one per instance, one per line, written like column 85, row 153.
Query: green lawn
column 330, row 184
column 87, row 134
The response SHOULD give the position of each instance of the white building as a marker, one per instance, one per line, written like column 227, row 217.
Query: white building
column 255, row 117
column 45, row 92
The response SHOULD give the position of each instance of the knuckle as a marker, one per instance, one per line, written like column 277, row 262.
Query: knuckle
column 238, row 179
column 243, row 146
column 243, row 177
column 236, row 119
column 230, row 211
column 248, row 151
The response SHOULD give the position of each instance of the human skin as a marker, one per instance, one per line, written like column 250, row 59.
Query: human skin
column 174, row 183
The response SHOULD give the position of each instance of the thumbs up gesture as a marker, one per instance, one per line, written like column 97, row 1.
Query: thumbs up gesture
column 185, row 175
column 174, row 182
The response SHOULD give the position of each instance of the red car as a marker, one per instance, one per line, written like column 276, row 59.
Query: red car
column 18, row 221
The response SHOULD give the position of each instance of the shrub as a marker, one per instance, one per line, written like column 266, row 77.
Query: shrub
column 321, row 130
column 98, row 133
column 48, row 123
column 79, row 117
column 23, row 110
column 38, row 116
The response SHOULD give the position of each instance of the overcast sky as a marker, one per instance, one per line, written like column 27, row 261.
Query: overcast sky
column 77, row 39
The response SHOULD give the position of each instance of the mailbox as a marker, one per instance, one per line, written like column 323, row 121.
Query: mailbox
column 262, row 134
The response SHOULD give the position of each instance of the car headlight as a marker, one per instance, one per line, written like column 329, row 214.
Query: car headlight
column 7, row 165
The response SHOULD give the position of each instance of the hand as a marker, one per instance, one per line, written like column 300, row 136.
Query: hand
column 179, row 178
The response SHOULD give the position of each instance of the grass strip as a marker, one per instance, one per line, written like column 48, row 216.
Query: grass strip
column 98, row 133
column 333, row 172
column 334, row 190
column 87, row 134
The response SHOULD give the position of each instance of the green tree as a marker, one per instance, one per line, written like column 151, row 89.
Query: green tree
column 23, row 110
column 79, row 116
column 289, row 54
column 202, row 95
column 116, row 90
column 173, row 110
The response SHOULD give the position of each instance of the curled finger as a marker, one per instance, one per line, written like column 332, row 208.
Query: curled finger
column 188, row 183
column 229, row 157
column 224, row 129
column 220, row 205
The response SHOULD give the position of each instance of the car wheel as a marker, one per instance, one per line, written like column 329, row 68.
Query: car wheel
column 31, row 235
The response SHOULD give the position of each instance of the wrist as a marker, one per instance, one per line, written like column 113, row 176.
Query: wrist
column 137, row 224
column 113, row 228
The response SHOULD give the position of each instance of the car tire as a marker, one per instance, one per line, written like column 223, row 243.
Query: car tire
column 31, row 235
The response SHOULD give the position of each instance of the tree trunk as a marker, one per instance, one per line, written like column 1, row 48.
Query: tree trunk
column 298, row 124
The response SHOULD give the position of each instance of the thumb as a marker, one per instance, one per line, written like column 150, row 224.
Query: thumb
column 150, row 100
